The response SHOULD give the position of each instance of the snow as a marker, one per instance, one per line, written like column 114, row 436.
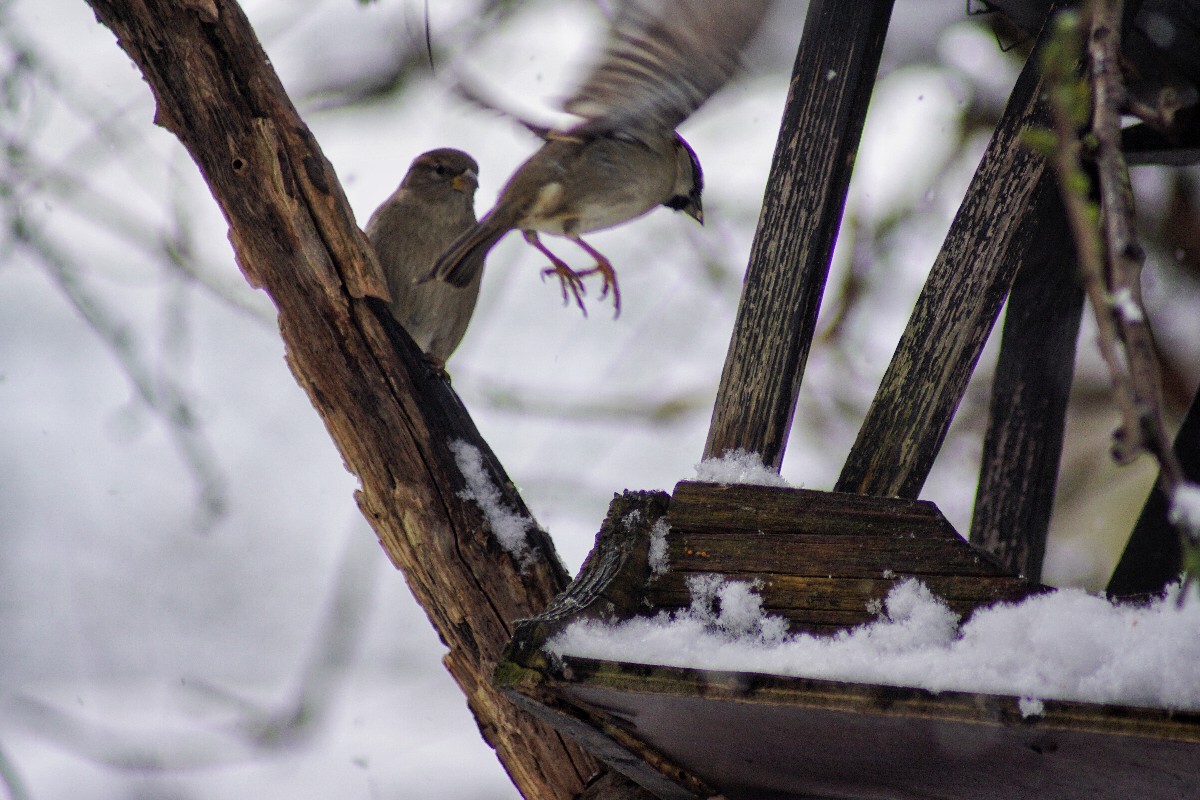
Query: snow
column 508, row 526
column 738, row 466
column 657, row 556
column 1065, row 645
column 1127, row 306
column 1185, row 507
column 1031, row 707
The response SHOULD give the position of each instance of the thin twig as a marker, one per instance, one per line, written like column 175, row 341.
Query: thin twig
column 1124, row 254
column 1069, row 113
column 1110, row 256
column 11, row 780
column 158, row 392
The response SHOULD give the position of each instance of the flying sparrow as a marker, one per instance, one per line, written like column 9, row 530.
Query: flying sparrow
column 576, row 185
column 664, row 58
column 433, row 205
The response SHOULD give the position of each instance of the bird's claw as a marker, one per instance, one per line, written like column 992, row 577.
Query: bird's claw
column 571, row 281
column 609, row 275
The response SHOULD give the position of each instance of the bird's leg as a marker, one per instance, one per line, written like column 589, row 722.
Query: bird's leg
column 568, row 277
column 605, row 268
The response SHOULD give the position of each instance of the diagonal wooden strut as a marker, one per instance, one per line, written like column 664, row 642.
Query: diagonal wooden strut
column 827, row 102
column 956, row 310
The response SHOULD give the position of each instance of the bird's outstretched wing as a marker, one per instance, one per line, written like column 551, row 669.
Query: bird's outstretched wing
column 663, row 59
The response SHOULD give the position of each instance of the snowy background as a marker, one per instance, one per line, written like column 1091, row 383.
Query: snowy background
column 183, row 564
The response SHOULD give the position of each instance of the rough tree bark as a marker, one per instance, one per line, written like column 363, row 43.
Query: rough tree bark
column 392, row 417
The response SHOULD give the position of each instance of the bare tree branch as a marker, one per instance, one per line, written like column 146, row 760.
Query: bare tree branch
column 395, row 421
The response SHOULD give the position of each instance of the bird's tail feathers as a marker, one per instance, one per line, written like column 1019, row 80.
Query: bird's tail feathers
column 462, row 259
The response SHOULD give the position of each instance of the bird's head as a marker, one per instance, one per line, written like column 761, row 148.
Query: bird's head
column 445, row 167
column 689, row 182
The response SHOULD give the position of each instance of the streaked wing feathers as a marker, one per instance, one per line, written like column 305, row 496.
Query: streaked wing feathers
column 664, row 58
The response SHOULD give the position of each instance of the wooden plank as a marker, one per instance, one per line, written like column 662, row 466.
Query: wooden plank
column 928, row 374
column 821, row 559
column 694, row 733
column 753, row 736
column 815, row 554
column 783, row 592
column 742, row 507
column 1023, row 444
column 827, row 102
column 825, row 605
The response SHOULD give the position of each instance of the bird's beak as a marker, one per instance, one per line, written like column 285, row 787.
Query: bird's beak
column 696, row 213
column 466, row 182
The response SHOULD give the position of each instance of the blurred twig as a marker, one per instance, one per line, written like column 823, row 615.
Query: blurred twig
column 157, row 390
column 256, row 730
column 28, row 177
column 338, row 634
column 10, row 779
column 674, row 409
column 416, row 51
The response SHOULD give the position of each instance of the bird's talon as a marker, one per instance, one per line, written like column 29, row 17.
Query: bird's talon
column 569, row 281
column 609, row 276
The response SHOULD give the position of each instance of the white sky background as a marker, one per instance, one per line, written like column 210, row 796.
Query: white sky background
column 118, row 610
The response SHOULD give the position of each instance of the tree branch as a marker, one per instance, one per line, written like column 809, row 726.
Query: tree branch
column 392, row 417
column 1110, row 256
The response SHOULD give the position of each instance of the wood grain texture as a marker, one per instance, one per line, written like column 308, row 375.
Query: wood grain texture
column 746, row 508
column 827, row 102
column 611, row 584
column 956, row 310
column 820, row 559
column 391, row 416
column 1026, row 422
column 689, row 733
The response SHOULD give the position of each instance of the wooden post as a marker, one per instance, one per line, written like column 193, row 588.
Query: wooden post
column 1023, row 445
column 822, row 124
column 967, row 284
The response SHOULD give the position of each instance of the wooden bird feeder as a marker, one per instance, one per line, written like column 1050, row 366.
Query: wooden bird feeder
column 821, row 558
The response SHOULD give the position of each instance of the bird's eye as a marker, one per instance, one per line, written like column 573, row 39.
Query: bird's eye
column 442, row 170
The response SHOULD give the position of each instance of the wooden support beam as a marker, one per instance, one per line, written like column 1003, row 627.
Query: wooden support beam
column 967, row 284
column 806, row 192
column 1023, row 445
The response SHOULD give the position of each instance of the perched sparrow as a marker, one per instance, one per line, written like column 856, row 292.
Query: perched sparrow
column 434, row 204
column 663, row 60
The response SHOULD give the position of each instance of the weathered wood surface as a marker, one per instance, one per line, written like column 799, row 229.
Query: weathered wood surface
column 611, row 584
column 611, row 581
column 822, row 559
column 391, row 416
column 1022, row 448
column 686, row 734
column 956, row 310
column 753, row 736
column 743, row 507
column 827, row 102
